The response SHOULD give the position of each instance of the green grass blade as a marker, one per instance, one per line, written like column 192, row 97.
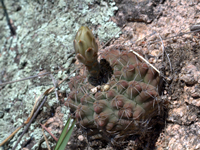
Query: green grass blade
column 62, row 136
column 65, row 135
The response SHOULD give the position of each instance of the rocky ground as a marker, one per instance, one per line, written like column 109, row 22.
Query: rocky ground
column 43, row 43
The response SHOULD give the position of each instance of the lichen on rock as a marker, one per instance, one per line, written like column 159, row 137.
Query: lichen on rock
column 45, row 33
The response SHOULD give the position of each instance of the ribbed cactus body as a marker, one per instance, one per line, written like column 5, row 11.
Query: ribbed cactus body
column 124, row 104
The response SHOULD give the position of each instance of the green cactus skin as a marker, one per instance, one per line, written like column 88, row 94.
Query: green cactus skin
column 126, row 107
column 86, row 50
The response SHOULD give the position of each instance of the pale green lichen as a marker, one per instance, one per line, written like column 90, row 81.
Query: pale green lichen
column 65, row 110
column 52, row 101
column 44, row 41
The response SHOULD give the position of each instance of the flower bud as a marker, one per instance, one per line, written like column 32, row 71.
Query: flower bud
column 85, row 44
column 86, row 50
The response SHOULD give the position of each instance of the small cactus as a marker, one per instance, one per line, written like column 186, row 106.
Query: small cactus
column 127, row 96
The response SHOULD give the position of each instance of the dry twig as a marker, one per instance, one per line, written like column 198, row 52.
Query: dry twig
column 10, row 136
column 1, row 84
column 35, row 114
column 49, row 132
column 163, row 48
column 145, row 60
column 55, row 85
column 46, row 139
column 34, row 107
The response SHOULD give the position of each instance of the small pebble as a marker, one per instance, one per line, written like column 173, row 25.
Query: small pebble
column 81, row 138
column 155, row 52
column 165, row 92
column 106, row 87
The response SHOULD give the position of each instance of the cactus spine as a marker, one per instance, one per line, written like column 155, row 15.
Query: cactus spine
column 127, row 97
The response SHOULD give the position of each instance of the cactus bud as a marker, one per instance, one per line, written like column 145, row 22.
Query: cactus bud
column 86, row 49
column 85, row 45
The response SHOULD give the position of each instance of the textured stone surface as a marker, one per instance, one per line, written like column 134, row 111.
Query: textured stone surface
column 138, row 11
column 177, row 17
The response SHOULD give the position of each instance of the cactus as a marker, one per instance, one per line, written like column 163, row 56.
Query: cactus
column 127, row 96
